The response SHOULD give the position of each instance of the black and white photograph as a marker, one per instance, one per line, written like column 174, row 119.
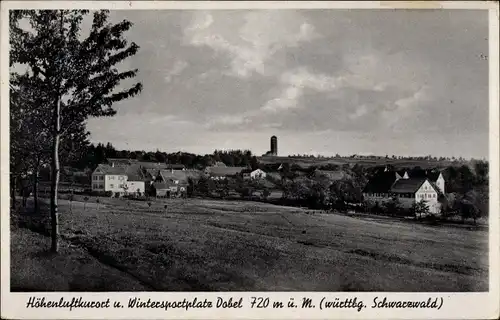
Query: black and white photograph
column 290, row 150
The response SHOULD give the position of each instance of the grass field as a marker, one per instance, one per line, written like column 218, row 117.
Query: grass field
column 210, row 245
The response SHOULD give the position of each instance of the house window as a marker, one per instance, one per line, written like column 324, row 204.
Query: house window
column 101, row 177
column 111, row 185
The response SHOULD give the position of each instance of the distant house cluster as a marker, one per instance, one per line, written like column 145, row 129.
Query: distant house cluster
column 407, row 189
column 131, row 177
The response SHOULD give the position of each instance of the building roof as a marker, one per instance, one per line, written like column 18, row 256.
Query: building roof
column 433, row 175
column 381, row 182
column 146, row 164
column 116, row 170
column 219, row 164
column 410, row 185
column 332, row 175
column 133, row 172
column 152, row 165
column 225, row 171
column 121, row 161
column 164, row 185
column 176, row 166
column 152, row 172
column 192, row 173
column 169, row 175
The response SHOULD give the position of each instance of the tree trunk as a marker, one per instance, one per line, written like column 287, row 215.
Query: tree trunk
column 35, row 190
column 13, row 192
column 55, row 178
column 55, row 170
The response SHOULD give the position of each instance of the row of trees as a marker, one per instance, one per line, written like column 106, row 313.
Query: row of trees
column 392, row 157
column 95, row 154
column 58, row 79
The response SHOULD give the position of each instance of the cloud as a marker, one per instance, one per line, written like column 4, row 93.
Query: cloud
column 294, row 83
column 360, row 111
column 250, row 39
column 177, row 68
column 396, row 115
column 231, row 120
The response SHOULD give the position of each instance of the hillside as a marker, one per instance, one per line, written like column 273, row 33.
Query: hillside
column 210, row 245
column 397, row 163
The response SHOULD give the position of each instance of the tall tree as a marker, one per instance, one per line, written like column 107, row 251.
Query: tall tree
column 73, row 77
column 29, row 148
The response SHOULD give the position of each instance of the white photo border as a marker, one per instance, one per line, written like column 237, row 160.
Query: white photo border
column 454, row 305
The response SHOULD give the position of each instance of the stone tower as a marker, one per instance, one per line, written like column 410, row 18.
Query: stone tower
column 274, row 146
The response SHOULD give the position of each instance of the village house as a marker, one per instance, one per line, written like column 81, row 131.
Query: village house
column 169, row 183
column 257, row 174
column 407, row 189
column 119, row 180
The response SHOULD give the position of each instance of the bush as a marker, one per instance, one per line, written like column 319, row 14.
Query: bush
column 101, row 194
column 265, row 194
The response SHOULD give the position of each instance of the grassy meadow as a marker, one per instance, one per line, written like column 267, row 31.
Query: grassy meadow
column 212, row 245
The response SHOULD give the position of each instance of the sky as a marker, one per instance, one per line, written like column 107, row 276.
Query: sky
column 405, row 82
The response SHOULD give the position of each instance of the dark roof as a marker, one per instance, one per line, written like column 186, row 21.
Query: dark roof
column 219, row 164
column 168, row 175
column 176, row 166
column 224, row 171
column 407, row 185
column 433, row 175
column 133, row 172
column 152, row 172
column 192, row 173
column 163, row 185
column 107, row 169
column 152, row 165
column 381, row 182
